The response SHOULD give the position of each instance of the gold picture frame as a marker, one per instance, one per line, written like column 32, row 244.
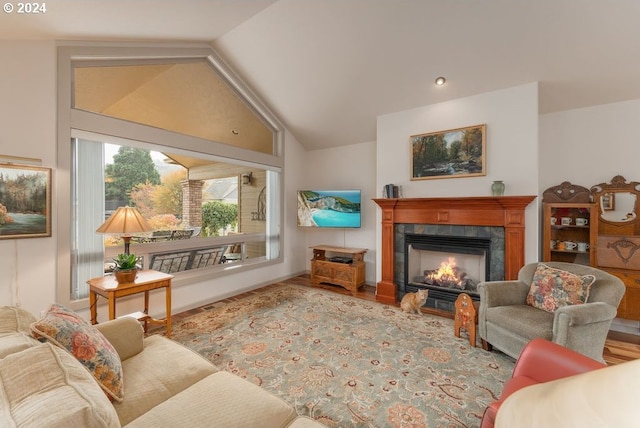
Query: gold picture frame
column 453, row 153
column 25, row 201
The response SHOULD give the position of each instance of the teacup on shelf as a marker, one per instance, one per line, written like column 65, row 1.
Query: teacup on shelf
column 582, row 222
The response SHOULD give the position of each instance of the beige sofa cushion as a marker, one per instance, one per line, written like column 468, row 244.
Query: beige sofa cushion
column 44, row 386
column 15, row 334
column 220, row 400
column 162, row 370
column 14, row 320
column 601, row 398
column 304, row 422
column 11, row 343
column 125, row 334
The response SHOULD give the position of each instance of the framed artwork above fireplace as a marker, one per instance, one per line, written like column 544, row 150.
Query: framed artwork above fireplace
column 452, row 153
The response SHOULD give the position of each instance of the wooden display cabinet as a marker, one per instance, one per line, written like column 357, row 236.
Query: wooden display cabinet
column 567, row 229
column 348, row 273
column 619, row 238
column 620, row 256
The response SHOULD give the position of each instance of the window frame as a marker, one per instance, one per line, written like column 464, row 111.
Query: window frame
column 74, row 123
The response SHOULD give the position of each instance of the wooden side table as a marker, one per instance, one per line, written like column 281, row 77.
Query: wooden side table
column 146, row 280
column 466, row 316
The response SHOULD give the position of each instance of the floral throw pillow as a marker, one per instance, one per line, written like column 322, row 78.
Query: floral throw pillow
column 64, row 328
column 554, row 288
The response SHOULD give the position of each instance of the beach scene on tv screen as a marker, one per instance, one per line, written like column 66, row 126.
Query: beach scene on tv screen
column 329, row 208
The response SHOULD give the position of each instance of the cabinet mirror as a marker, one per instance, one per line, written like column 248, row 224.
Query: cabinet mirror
column 618, row 200
column 618, row 206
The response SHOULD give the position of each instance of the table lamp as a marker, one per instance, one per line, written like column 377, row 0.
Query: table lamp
column 124, row 222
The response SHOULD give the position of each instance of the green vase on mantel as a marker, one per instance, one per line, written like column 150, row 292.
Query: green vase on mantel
column 497, row 188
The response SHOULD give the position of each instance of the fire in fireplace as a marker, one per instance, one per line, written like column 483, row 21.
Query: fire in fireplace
column 449, row 275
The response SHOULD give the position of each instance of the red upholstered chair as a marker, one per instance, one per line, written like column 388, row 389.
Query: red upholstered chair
column 540, row 361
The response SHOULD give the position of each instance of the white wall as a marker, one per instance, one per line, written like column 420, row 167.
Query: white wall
column 511, row 116
column 342, row 168
column 28, row 123
column 589, row 146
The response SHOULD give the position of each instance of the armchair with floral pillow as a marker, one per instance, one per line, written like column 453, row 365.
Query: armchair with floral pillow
column 569, row 304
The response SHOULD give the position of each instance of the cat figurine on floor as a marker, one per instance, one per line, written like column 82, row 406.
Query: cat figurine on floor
column 412, row 302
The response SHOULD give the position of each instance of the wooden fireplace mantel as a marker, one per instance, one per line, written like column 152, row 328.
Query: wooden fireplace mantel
column 504, row 211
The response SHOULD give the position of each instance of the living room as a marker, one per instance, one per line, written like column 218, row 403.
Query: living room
column 541, row 128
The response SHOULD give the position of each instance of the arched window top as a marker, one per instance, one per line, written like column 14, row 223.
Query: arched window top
column 187, row 97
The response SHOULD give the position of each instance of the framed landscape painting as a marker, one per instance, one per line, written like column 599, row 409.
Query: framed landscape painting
column 452, row 153
column 25, row 201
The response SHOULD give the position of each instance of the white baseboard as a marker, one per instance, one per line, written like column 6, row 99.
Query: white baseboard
column 240, row 290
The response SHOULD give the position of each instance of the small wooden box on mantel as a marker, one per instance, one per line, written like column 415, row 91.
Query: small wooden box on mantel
column 347, row 272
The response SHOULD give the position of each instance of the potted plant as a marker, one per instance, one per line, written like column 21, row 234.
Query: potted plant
column 126, row 268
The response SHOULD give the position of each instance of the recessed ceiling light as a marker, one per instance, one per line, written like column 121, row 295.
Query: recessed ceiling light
column 440, row 81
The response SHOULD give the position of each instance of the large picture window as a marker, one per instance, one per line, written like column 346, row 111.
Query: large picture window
column 193, row 150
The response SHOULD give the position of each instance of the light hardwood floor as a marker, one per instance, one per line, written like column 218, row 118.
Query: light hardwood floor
column 619, row 347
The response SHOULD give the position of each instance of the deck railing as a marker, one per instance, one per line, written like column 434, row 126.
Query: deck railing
column 172, row 256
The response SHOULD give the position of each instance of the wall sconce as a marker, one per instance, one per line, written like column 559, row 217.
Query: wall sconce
column 247, row 178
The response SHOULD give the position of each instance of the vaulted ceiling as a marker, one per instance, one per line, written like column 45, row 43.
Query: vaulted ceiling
column 328, row 68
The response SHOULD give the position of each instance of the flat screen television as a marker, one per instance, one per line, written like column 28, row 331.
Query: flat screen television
column 329, row 208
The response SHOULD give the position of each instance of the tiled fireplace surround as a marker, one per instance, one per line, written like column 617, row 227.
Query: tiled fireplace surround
column 499, row 218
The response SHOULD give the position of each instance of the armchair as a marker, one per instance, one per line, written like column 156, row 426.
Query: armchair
column 508, row 323
column 540, row 361
column 553, row 386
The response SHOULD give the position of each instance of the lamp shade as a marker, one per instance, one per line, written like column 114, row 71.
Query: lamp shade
column 125, row 221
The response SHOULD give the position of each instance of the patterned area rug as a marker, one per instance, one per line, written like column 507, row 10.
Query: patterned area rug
column 349, row 362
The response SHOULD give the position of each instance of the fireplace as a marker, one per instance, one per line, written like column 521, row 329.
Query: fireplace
column 446, row 266
column 503, row 215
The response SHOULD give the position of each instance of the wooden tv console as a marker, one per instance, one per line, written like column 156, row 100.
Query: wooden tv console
column 349, row 274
